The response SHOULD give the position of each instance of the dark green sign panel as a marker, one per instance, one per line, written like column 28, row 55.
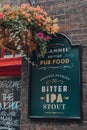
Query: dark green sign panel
column 55, row 84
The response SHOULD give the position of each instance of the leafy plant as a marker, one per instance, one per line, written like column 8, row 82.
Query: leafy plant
column 24, row 29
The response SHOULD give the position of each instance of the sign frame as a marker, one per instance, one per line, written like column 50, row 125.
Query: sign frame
column 80, row 88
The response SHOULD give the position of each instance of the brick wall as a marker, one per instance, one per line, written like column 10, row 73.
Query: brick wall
column 72, row 15
column 13, row 2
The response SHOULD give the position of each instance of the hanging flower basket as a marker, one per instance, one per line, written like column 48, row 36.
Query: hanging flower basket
column 24, row 29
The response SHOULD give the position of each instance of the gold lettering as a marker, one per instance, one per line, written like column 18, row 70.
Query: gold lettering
column 53, row 98
column 59, row 98
column 47, row 98
column 60, row 61
column 45, row 62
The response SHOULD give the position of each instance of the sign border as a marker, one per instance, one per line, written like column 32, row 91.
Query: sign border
column 80, row 87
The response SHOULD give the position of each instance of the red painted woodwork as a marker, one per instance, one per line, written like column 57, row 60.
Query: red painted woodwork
column 10, row 66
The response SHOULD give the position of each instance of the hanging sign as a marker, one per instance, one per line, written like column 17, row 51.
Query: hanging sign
column 55, row 89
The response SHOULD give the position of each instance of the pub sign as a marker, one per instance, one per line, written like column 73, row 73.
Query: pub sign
column 55, row 84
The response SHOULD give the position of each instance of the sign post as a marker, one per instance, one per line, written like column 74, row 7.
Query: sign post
column 55, row 89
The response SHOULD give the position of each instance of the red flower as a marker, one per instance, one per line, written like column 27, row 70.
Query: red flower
column 46, row 38
column 1, row 15
column 40, row 35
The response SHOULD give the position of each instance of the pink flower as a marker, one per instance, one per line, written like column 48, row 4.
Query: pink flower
column 46, row 38
column 40, row 35
column 1, row 15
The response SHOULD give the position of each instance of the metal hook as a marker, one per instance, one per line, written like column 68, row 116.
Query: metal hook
column 32, row 2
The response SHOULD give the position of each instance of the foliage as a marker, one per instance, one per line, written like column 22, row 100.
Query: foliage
column 24, row 29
